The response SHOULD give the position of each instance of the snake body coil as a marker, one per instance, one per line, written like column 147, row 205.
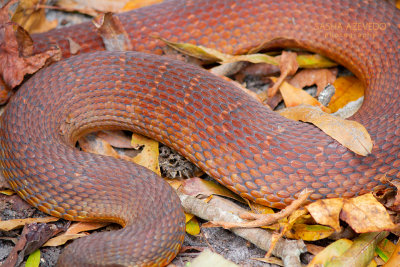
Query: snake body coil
column 233, row 138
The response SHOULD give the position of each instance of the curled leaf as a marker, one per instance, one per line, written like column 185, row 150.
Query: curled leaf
column 350, row 134
column 326, row 211
column 366, row 214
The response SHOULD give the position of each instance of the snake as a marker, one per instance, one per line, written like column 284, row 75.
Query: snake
column 242, row 144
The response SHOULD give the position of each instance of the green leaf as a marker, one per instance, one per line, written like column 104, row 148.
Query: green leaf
column 33, row 259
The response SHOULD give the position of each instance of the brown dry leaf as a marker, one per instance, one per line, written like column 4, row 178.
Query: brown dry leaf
column 294, row 96
column 319, row 77
column 17, row 223
column 348, row 88
column 326, row 212
column 116, row 138
column 314, row 249
column 134, row 4
column 396, row 204
column 31, row 18
column 196, row 186
column 350, row 134
column 149, row 156
column 91, row 143
column 73, row 232
column 288, row 66
column 111, row 30
column 365, row 214
column 395, row 257
column 32, row 238
column 16, row 52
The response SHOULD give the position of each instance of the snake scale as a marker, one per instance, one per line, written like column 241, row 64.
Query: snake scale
column 233, row 138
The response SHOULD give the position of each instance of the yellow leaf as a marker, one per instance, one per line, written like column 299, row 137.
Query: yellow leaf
column 16, row 223
column 31, row 18
column 350, row 134
column 395, row 258
column 315, row 61
column 309, row 232
column 7, row 192
column 149, row 156
column 192, row 227
column 335, row 249
column 134, row 4
column 348, row 88
column 361, row 252
column 209, row 54
column 385, row 249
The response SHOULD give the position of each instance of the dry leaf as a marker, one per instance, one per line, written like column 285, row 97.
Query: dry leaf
column 31, row 18
column 134, row 4
column 192, row 226
column 73, row 232
column 309, row 232
column 335, row 249
column 314, row 249
column 314, row 61
column 288, row 66
column 365, row 214
column 295, row 96
column 395, row 258
column 348, row 89
column 361, row 252
column 385, row 249
column 17, row 223
column 16, row 52
column 350, row 134
column 149, row 156
column 32, row 237
column 116, row 138
column 111, row 30
column 326, row 212
column 196, row 186
column 319, row 77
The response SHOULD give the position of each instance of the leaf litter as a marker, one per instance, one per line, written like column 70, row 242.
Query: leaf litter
column 323, row 212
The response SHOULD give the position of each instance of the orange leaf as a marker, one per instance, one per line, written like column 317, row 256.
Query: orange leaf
column 134, row 4
column 348, row 89
column 308, row 77
column 294, row 96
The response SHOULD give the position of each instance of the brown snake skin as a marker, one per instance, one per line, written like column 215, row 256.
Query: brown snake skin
column 233, row 138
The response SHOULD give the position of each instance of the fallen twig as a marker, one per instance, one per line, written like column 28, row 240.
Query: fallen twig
column 219, row 209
